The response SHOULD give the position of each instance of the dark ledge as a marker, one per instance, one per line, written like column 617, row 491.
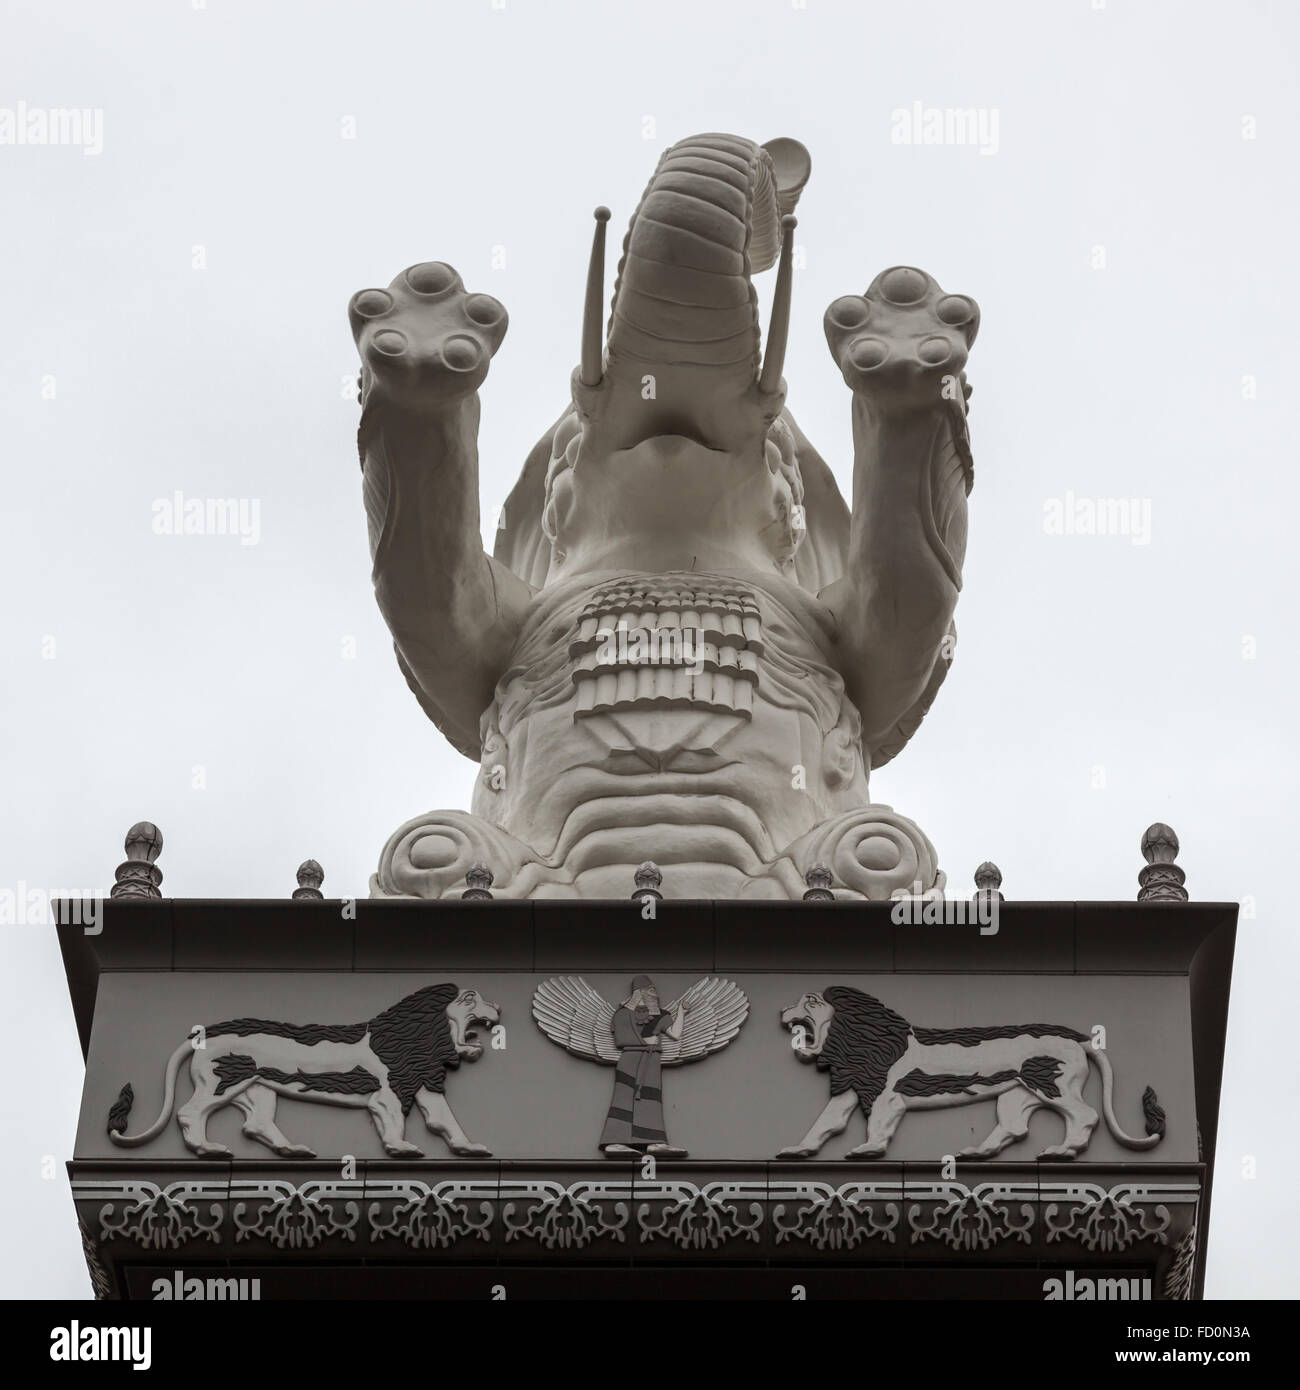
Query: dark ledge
column 722, row 936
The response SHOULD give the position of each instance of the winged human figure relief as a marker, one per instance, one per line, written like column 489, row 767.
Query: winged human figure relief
column 639, row 1038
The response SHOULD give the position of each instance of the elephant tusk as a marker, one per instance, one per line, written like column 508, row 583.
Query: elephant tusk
column 592, row 336
column 774, row 362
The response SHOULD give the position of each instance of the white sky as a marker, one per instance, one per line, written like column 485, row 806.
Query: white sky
column 1119, row 126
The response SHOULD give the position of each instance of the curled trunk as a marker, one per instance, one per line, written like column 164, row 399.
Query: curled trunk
column 710, row 219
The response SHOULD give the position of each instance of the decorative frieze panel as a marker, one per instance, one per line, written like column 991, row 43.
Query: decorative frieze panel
column 984, row 1217
column 894, row 1218
column 430, row 1217
column 708, row 1217
column 553, row 1216
column 101, row 1281
column 153, row 1217
column 830, row 1218
column 293, row 1216
column 1115, row 1219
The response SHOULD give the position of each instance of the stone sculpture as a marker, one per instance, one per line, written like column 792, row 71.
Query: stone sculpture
column 384, row 1066
column 685, row 644
column 885, row 1066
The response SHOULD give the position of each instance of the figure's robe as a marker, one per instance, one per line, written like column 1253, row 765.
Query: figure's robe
column 636, row 1111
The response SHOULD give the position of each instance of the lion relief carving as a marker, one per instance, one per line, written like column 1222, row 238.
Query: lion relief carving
column 880, row 1062
column 384, row 1065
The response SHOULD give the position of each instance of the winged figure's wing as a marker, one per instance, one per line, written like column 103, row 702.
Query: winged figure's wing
column 572, row 1014
column 717, row 1009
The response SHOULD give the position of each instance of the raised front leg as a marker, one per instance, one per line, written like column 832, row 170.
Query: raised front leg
column 386, row 1111
column 441, row 1121
column 887, row 1110
column 425, row 346
column 902, row 348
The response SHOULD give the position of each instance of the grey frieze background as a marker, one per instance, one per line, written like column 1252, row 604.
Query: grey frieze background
column 525, row 1098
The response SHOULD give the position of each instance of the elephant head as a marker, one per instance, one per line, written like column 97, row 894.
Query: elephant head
column 675, row 437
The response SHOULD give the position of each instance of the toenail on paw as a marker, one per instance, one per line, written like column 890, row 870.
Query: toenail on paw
column 867, row 353
column 904, row 285
column 431, row 277
column 460, row 353
column 371, row 303
column 390, row 342
column 483, row 309
column 852, row 311
column 932, row 351
column 955, row 309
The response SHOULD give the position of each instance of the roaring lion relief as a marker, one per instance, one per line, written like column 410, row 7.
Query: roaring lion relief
column 398, row 1057
column 880, row 1061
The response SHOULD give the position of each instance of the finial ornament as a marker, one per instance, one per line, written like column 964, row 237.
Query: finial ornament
column 648, row 879
column 310, row 878
column 1162, row 880
column 139, row 876
column 479, row 877
column 818, row 879
column 988, row 880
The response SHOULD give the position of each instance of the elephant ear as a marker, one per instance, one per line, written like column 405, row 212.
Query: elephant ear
column 823, row 556
column 895, row 740
column 792, row 164
column 522, row 546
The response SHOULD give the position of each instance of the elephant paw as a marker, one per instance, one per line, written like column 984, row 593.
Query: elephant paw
column 424, row 342
column 470, row 1150
column 904, row 343
column 403, row 1150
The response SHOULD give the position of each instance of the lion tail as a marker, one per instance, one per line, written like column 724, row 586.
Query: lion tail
column 1155, row 1116
column 117, row 1116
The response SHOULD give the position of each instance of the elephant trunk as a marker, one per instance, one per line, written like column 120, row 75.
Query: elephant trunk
column 684, row 306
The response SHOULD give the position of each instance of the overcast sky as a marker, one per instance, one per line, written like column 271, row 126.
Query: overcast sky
column 174, row 319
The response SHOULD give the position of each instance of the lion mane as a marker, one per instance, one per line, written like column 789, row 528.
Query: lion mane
column 412, row 1039
column 865, row 1038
